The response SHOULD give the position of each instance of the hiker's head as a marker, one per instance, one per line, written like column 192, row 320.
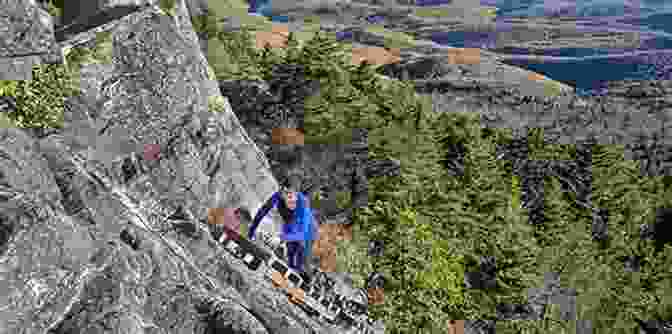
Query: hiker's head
column 289, row 190
column 290, row 197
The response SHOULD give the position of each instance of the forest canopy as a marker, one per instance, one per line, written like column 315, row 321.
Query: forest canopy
column 438, row 225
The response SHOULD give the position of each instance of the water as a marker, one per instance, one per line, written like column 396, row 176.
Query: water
column 585, row 68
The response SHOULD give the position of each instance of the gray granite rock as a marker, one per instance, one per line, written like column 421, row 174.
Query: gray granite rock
column 80, row 11
column 90, row 238
column 85, row 242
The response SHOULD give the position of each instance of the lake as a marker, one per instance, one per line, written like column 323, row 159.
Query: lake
column 587, row 69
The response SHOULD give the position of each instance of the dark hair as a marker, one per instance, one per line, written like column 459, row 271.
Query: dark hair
column 244, row 213
column 291, row 183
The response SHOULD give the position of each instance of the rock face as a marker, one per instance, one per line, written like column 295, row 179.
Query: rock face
column 80, row 11
column 103, row 222
column 27, row 39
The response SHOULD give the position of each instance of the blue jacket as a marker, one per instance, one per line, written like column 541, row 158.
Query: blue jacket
column 299, row 223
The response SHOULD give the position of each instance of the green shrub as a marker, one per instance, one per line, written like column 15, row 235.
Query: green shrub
column 101, row 53
column 552, row 88
column 468, row 216
column 433, row 12
column 539, row 150
column 352, row 257
column 40, row 100
column 488, row 12
column 231, row 55
column 217, row 103
column 54, row 8
column 168, row 7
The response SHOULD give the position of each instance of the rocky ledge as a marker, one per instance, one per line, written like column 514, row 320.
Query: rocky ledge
column 89, row 241
column 90, row 236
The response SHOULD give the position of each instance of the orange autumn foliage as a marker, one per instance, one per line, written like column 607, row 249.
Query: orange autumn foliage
column 221, row 216
column 456, row 327
column 376, row 296
column 464, row 56
column 325, row 247
column 287, row 136
column 375, row 55
column 275, row 38
column 533, row 76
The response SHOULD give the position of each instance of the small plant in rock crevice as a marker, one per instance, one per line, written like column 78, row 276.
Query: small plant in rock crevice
column 40, row 100
column 168, row 6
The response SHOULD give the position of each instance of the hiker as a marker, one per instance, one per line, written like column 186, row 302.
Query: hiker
column 258, row 7
column 265, row 8
column 298, row 230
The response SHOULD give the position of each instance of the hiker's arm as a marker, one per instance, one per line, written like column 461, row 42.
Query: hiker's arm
column 296, row 236
column 263, row 211
column 301, row 234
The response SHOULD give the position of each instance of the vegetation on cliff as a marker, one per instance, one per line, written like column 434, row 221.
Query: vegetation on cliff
column 436, row 224
column 39, row 101
column 429, row 213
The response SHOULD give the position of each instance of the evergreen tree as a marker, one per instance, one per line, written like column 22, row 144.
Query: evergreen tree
column 469, row 216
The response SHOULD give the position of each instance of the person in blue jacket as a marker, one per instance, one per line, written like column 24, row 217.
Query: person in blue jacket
column 263, row 8
column 298, row 231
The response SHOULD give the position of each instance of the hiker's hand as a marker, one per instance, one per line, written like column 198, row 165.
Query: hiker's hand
column 281, row 249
